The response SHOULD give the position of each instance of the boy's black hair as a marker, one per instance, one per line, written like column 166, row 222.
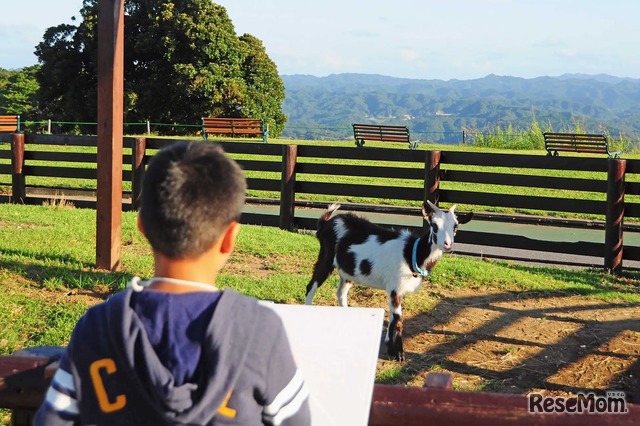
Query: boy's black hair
column 191, row 192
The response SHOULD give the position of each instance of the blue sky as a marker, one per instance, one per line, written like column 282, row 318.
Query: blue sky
column 445, row 39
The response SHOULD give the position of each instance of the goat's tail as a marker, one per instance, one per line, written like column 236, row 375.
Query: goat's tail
column 327, row 214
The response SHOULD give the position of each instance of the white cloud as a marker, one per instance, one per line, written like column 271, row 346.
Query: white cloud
column 409, row 55
column 568, row 53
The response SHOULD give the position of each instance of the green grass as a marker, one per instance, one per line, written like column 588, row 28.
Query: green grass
column 47, row 252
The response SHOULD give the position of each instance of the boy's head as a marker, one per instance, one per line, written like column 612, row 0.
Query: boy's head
column 191, row 193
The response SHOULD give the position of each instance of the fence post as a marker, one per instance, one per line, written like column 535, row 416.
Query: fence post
column 615, row 215
column 49, row 126
column 432, row 176
column 138, row 151
column 110, row 124
column 431, row 180
column 287, row 186
column 148, row 128
column 17, row 165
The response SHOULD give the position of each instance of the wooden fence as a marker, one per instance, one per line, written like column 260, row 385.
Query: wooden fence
column 292, row 175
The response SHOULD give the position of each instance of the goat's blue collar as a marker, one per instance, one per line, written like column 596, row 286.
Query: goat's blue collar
column 414, row 260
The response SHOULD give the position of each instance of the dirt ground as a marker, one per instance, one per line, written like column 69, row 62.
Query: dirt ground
column 501, row 341
column 524, row 342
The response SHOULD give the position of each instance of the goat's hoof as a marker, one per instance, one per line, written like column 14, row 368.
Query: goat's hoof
column 396, row 356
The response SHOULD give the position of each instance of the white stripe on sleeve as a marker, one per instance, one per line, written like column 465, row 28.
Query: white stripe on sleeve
column 292, row 407
column 65, row 380
column 285, row 394
column 61, row 402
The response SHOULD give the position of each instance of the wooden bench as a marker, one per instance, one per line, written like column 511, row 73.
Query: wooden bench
column 24, row 380
column 9, row 123
column 372, row 132
column 576, row 142
column 235, row 127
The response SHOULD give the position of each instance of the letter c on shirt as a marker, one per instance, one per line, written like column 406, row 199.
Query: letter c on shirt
column 109, row 366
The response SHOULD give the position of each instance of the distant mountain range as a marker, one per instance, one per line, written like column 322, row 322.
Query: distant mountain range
column 437, row 110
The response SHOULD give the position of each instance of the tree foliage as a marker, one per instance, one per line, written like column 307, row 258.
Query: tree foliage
column 183, row 61
column 18, row 90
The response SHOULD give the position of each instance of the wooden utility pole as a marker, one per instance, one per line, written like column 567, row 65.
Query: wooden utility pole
column 110, row 121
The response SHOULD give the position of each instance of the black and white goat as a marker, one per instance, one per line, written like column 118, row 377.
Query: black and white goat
column 378, row 257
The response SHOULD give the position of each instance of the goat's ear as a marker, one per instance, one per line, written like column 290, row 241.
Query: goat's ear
column 464, row 217
column 428, row 209
column 453, row 208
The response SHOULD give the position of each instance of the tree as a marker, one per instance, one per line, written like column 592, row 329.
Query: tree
column 265, row 90
column 68, row 74
column 19, row 93
column 183, row 61
column 4, row 77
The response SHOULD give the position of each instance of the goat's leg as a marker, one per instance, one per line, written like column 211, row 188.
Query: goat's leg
column 343, row 291
column 321, row 271
column 393, row 338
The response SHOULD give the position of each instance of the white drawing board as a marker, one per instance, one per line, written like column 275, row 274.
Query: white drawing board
column 337, row 350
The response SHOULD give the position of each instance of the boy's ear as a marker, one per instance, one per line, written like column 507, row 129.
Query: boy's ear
column 140, row 227
column 229, row 238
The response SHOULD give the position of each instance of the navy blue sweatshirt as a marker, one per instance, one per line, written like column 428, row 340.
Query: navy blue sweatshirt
column 155, row 358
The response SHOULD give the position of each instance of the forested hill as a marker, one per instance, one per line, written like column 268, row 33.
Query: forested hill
column 325, row 107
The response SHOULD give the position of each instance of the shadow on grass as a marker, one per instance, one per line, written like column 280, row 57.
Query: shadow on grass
column 58, row 271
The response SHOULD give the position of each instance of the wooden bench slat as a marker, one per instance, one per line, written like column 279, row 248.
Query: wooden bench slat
column 578, row 140
column 575, row 143
column 574, row 146
column 382, row 132
column 235, row 129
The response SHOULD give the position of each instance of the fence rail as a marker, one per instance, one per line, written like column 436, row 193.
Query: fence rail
column 301, row 173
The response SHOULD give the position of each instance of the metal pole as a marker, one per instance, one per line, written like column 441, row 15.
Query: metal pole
column 138, row 169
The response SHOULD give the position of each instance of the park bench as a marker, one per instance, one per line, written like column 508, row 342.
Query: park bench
column 235, row 127
column 373, row 132
column 576, row 142
column 9, row 123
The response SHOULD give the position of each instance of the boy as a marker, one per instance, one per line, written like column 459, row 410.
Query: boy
column 174, row 349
